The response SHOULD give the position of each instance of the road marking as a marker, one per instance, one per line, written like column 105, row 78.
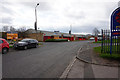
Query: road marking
column 80, row 50
column 88, row 71
column 67, row 70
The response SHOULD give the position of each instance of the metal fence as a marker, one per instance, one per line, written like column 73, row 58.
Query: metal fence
column 106, row 40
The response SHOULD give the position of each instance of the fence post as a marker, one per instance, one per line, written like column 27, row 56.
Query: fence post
column 102, row 42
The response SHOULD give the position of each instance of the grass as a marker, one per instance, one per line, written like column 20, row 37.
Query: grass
column 98, row 42
column 40, row 44
column 114, row 56
column 10, row 46
column 97, row 49
column 107, row 41
column 110, row 56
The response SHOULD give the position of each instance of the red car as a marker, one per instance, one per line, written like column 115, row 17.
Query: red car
column 4, row 46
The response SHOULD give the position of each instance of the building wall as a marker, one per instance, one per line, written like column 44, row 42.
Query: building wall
column 37, row 36
column 3, row 35
column 47, row 37
column 80, row 38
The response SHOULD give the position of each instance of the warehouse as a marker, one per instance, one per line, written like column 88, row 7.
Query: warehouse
column 44, row 35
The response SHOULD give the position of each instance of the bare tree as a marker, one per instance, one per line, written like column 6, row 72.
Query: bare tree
column 21, row 32
column 96, row 32
column 5, row 28
column 22, row 29
column 12, row 29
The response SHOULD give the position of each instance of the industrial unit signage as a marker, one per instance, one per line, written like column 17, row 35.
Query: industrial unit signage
column 115, row 22
column 12, row 35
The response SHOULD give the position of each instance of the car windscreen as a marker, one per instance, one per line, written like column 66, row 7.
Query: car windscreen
column 24, row 40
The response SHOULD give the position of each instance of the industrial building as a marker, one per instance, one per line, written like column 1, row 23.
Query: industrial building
column 44, row 35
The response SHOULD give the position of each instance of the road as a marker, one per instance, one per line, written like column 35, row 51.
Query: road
column 48, row 61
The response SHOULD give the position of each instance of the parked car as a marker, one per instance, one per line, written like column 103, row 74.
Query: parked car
column 92, row 38
column 25, row 44
column 4, row 46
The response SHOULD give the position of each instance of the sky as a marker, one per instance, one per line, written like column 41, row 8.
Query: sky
column 58, row 15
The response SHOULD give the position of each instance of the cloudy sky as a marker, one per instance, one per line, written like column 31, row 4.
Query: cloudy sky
column 82, row 15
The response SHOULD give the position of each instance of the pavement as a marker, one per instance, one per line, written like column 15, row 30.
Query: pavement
column 89, row 66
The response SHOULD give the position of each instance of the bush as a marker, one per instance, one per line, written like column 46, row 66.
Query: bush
column 56, row 40
column 10, row 46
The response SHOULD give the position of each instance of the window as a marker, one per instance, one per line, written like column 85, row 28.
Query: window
column 35, row 41
column 1, row 41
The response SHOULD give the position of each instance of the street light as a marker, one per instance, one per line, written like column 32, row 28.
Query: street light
column 36, row 21
column 70, row 29
column 36, row 17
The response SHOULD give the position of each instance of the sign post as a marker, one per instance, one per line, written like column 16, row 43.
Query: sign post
column 115, row 25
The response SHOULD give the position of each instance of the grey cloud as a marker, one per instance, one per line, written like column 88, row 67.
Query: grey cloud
column 73, row 15
column 7, row 20
column 83, row 29
column 89, row 27
column 103, row 25
column 76, row 16
column 44, row 6
column 109, row 9
column 7, row 10
column 78, row 29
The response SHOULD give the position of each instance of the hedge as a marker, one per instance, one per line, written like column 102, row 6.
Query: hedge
column 56, row 40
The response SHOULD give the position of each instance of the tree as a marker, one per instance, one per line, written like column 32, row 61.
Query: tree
column 21, row 32
column 12, row 29
column 22, row 29
column 96, row 32
column 5, row 28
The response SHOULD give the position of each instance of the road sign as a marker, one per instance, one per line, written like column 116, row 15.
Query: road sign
column 115, row 22
column 116, row 33
column 12, row 35
column 115, row 26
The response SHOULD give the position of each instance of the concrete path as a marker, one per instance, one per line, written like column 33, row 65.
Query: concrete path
column 86, row 65
column 85, row 70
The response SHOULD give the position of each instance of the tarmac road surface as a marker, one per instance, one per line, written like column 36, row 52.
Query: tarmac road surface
column 48, row 61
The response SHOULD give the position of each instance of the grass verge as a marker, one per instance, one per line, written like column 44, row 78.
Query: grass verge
column 110, row 56
column 40, row 44
column 108, row 41
column 114, row 56
column 10, row 46
column 98, row 42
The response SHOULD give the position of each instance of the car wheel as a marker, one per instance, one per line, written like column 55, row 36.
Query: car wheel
column 25, row 47
column 4, row 50
column 36, row 46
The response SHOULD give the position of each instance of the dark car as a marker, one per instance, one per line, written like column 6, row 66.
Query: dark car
column 4, row 46
column 26, row 43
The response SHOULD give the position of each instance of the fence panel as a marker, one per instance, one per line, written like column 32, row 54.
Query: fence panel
column 106, row 39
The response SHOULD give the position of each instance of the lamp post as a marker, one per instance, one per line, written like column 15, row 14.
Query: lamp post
column 36, row 17
column 70, row 29
column 36, row 20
